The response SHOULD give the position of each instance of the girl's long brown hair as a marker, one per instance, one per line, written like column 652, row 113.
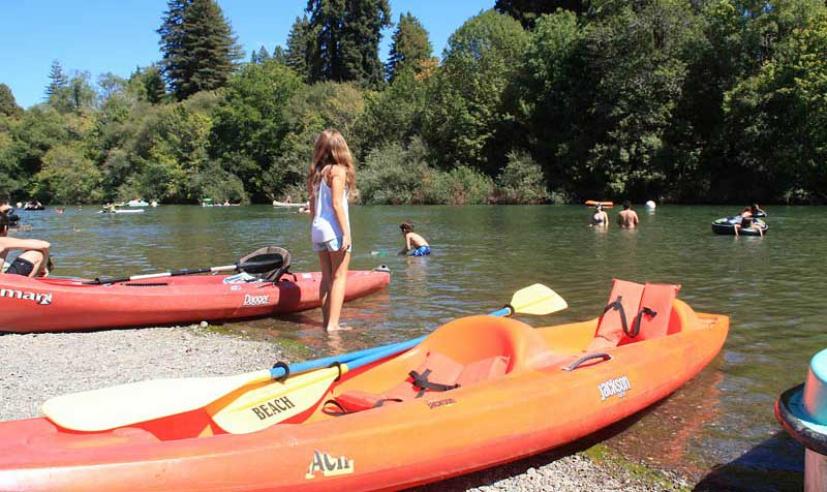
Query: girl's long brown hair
column 330, row 149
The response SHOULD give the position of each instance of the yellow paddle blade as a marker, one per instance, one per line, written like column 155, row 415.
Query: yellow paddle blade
column 274, row 402
column 117, row 406
column 537, row 299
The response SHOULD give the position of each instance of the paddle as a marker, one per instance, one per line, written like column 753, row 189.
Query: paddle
column 117, row 406
column 275, row 402
column 257, row 264
column 125, row 404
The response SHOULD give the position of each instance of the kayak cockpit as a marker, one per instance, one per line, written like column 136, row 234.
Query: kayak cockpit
column 462, row 353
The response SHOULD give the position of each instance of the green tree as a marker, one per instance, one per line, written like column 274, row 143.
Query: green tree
column 410, row 46
column 528, row 11
column 466, row 116
column 322, row 105
column 776, row 119
column 251, row 124
column 58, row 81
column 345, row 47
column 298, row 42
column 68, row 176
column 198, row 45
column 279, row 55
column 8, row 106
column 394, row 115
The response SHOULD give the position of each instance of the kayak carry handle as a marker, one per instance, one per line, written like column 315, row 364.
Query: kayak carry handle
column 599, row 355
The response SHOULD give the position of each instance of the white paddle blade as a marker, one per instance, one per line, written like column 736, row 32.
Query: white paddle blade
column 275, row 402
column 126, row 404
column 537, row 299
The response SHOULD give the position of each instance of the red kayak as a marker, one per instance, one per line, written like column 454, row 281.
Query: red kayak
column 59, row 304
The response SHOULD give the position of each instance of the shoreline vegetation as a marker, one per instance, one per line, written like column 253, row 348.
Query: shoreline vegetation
column 132, row 355
column 530, row 102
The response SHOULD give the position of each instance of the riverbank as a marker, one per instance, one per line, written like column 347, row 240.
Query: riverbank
column 37, row 367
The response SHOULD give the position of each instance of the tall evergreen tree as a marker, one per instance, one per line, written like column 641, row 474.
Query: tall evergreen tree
column 298, row 41
column 345, row 42
column 154, row 85
column 263, row 55
column 57, row 80
column 410, row 46
column 199, row 47
column 527, row 11
column 8, row 106
column 279, row 55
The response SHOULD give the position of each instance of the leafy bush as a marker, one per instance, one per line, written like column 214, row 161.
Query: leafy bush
column 459, row 186
column 521, row 181
column 392, row 175
column 68, row 176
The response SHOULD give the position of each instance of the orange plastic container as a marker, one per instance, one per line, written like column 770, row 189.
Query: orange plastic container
column 56, row 304
column 522, row 391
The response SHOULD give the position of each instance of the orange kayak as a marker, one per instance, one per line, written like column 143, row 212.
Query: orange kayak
column 477, row 392
column 57, row 304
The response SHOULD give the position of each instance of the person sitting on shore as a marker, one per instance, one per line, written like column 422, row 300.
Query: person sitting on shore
column 34, row 261
column 415, row 245
column 627, row 217
column 600, row 218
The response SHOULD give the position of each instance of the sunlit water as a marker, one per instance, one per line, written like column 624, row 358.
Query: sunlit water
column 770, row 287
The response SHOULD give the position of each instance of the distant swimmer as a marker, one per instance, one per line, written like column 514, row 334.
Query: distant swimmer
column 600, row 218
column 415, row 245
column 627, row 217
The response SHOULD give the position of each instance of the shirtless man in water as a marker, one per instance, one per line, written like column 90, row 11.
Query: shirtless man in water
column 627, row 217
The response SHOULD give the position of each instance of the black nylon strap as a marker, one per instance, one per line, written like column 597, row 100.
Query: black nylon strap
column 636, row 324
column 421, row 381
column 618, row 306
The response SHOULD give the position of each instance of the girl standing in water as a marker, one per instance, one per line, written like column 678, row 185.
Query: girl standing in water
column 331, row 178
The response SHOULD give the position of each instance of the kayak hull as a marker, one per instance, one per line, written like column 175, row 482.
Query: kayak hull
column 537, row 405
column 52, row 304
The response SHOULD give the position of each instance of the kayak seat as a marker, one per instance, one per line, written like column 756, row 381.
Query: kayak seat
column 437, row 373
column 655, row 313
column 619, row 313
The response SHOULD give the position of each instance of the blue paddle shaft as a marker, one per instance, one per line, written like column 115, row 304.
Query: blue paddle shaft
column 310, row 365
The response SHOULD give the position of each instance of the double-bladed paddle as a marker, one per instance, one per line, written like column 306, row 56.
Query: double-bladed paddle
column 257, row 264
column 278, row 401
column 126, row 404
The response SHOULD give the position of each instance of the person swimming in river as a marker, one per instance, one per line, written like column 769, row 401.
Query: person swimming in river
column 627, row 217
column 415, row 245
column 600, row 218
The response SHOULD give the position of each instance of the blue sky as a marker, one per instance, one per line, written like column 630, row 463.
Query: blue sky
column 115, row 36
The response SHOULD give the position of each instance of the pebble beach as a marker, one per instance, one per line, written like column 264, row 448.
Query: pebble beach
column 36, row 367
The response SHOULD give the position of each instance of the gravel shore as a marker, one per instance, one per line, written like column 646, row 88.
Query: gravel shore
column 36, row 367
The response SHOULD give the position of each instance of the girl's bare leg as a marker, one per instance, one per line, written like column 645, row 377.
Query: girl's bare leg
column 339, row 265
column 324, row 287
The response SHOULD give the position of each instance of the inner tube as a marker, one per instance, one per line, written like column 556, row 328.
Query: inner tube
column 726, row 226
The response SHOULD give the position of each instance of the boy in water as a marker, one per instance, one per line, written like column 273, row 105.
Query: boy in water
column 415, row 245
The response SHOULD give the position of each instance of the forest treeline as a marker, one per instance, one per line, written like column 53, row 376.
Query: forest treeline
column 532, row 101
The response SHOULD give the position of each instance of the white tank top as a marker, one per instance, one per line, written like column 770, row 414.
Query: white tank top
column 325, row 226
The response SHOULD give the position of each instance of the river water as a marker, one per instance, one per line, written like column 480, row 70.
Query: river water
column 719, row 428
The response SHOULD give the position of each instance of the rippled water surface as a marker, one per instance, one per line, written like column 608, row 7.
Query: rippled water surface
column 718, row 428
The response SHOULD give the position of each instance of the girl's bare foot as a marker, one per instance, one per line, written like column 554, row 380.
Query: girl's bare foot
column 338, row 328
